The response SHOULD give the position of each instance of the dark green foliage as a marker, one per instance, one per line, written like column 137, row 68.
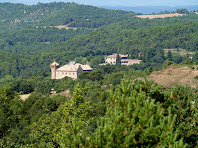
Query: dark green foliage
column 82, row 110
column 22, row 86
column 184, row 104
column 182, row 11
column 85, row 16
column 118, row 60
column 104, row 110
column 195, row 57
column 169, row 56
column 21, row 114
column 188, row 61
column 10, row 108
column 167, row 63
column 135, row 119
column 96, row 75
column 138, row 113
column 177, row 58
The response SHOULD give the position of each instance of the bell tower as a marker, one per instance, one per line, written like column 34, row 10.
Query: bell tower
column 54, row 66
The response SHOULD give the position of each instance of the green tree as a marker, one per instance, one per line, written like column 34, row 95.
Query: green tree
column 118, row 60
column 195, row 57
column 182, row 11
column 10, row 109
column 47, row 131
column 169, row 56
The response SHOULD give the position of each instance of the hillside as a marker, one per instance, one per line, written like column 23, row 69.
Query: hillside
column 28, row 47
column 54, row 14
column 27, row 32
column 175, row 75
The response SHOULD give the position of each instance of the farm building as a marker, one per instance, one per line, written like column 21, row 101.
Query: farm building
column 111, row 59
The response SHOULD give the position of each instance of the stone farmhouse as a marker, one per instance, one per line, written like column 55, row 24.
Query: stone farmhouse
column 124, row 60
column 71, row 70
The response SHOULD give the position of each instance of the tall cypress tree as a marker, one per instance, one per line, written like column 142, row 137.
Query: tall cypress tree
column 169, row 56
column 118, row 60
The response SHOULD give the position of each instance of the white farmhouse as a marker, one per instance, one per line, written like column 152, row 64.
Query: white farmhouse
column 123, row 58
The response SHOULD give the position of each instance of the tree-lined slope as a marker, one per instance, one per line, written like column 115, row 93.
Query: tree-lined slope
column 53, row 14
column 141, row 38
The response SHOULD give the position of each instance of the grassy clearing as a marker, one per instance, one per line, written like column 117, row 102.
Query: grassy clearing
column 179, row 51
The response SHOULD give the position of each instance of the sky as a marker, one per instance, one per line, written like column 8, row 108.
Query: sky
column 128, row 3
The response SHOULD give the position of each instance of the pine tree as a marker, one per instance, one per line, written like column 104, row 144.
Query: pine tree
column 133, row 119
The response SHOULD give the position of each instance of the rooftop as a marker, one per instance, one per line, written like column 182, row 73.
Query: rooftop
column 54, row 63
column 114, row 55
column 69, row 67
column 73, row 66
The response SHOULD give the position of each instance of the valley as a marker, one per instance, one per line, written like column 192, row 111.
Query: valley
column 76, row 75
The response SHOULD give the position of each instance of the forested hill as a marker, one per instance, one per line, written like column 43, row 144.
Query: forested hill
column 60, row 13
column 148, row 42
column 30, row 39
column 26, row 31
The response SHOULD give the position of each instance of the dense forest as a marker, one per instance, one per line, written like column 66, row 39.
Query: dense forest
column 27, row 48
column 111, row 106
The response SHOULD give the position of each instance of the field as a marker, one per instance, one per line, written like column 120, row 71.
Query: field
column 159, row 16
column 180, row 51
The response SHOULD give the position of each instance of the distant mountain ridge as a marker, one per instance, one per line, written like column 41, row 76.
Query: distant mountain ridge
column 150, row 9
